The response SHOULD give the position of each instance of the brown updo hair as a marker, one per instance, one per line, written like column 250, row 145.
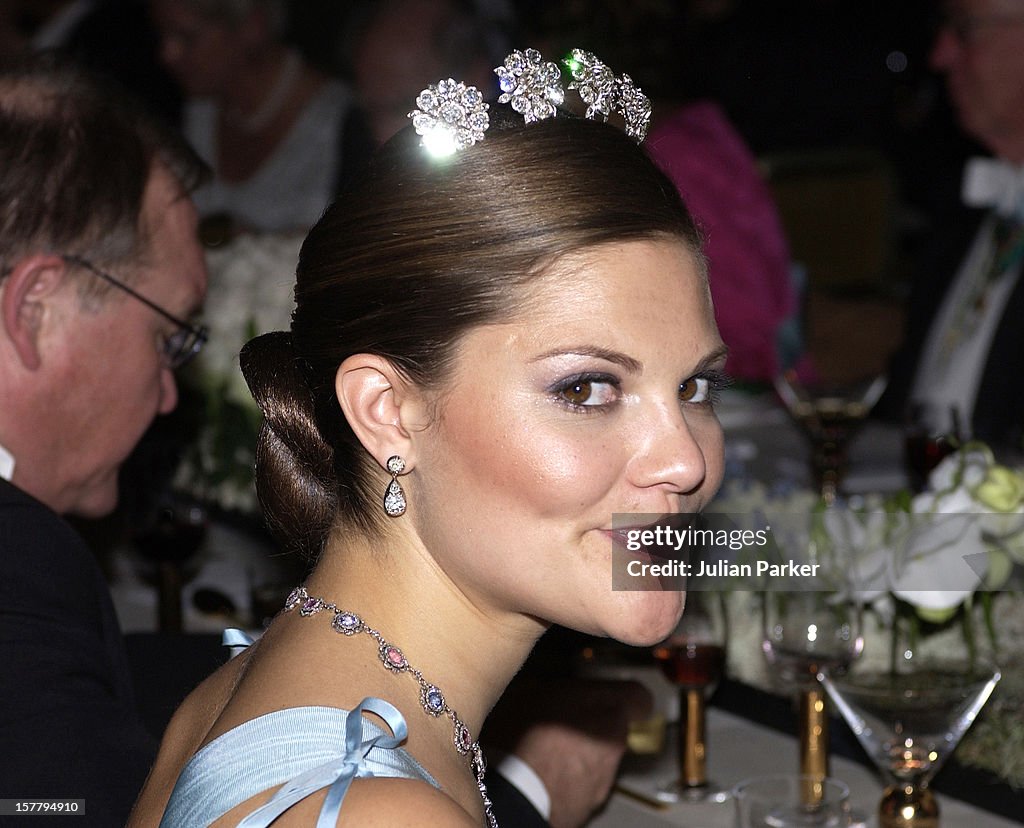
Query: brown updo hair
column 418, row 252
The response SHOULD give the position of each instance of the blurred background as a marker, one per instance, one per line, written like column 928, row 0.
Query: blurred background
column 835, row 100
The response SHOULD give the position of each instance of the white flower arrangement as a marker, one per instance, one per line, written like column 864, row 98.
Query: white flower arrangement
column 937, row 556
column 936, row 549
column 250, row 291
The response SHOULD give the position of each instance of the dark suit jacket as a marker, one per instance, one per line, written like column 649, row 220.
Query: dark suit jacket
column 999, row 409
column 68, row 725
column 511, row 808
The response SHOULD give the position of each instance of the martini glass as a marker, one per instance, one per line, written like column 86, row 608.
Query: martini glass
column 909, row 719
column 693, row 658
column 829, row 415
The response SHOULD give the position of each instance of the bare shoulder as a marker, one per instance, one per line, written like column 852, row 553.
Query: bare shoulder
column 395, row 802
column 370, row 803
column 185, row 733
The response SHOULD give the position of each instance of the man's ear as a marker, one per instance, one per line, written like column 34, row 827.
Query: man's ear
column 382, row 407
column 24, row 295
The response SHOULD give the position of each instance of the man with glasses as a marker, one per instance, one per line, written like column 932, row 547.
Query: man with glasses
column 100, row 275
column 959, row 368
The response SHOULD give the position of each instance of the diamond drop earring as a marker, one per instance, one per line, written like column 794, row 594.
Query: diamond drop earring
column 394, row 496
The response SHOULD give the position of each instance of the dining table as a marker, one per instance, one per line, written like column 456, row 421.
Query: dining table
column 737, row 749
column 765, row 445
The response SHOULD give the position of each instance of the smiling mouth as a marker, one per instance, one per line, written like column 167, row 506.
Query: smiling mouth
column 621, row 535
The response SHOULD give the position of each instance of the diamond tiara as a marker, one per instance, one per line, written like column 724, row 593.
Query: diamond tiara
column 451, row 116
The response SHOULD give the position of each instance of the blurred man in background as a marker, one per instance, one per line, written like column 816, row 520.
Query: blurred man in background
column 100, row 269
column 958, row 371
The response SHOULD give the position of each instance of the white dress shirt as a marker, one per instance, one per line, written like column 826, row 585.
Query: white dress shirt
column 6, row 464
column 957, row 347
column 525, row 780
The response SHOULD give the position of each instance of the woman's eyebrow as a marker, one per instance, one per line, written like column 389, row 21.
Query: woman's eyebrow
column 633, row 366
column 720, row 353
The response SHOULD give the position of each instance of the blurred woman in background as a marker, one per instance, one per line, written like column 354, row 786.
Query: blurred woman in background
column 280, row 135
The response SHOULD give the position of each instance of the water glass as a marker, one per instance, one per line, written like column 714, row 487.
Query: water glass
column 779, row 801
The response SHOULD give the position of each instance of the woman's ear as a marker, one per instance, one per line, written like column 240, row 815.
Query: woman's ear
column 24, row 294
column 383, row 408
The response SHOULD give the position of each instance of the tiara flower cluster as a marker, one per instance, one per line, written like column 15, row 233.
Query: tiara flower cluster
column 531, row 84
column 604, row 93
column 451, row 116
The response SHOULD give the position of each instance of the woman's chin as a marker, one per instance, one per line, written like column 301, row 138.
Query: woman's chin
column 645, row 622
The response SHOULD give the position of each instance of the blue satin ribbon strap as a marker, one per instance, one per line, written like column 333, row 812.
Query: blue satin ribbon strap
column 234, row 637
column 238, row 640
column 336, row 775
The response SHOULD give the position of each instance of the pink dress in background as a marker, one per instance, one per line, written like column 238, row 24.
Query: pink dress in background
column 748, row 258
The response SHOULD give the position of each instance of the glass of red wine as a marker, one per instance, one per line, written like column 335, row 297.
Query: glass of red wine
column 693, row 658
column 927, row 441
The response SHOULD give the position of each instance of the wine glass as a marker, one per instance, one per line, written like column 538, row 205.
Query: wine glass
column 169, row 535
column 909, row 718
column 829, row 415
column 693, row 658
column 927, row 440
column 806, row 632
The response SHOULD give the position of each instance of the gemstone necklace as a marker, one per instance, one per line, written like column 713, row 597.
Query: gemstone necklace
column 431, row 698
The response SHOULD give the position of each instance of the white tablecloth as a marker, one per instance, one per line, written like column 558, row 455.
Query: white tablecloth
column 738, row 749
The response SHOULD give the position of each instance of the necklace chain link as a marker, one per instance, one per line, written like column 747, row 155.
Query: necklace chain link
column 432, row 700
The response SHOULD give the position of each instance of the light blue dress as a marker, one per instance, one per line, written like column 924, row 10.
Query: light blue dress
column 302, row 749
column 305, row 749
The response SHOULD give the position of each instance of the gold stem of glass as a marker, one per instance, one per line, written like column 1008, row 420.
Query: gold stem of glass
column 813, row 744
column 904, row 806
column 691, row 738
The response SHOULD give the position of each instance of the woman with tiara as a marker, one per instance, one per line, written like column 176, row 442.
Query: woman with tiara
column 502, row 337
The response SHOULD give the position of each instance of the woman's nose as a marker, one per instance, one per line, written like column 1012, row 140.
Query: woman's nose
column 674, row 451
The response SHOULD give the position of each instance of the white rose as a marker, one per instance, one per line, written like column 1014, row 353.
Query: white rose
column 942, row 561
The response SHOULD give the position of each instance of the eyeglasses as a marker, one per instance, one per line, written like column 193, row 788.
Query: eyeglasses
column 965, row 27
column 180, row 346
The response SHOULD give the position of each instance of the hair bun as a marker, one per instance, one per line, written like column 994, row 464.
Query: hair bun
column 297, row 487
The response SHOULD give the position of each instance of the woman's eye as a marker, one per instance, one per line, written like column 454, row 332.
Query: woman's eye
column 695, row 390
column 587, row 392
column 705, row 388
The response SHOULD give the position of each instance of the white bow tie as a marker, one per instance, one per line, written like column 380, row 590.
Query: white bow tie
column 6, row 464
column 999, row 185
